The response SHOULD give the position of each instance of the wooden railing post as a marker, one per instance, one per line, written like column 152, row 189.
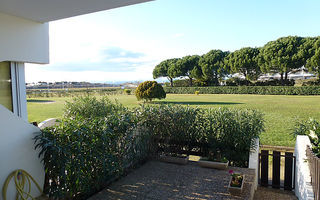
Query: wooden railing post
column 264, row 167
column 288, row 171
column 276, row 169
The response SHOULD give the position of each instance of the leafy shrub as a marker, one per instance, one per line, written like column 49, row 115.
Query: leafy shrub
column 174, row 128
column 231, row 133
column 186, row 83
column 92, row 145
column 262, row 90
column 149, row 90
column 98, row 140
column 181, row 83
column 235, row 81
column 275, row 82
column 311, row 82
column 91, row 107
column 227, row 132
column 127, row 91
column 197, row 92
column 33, row 93
column 311, row 128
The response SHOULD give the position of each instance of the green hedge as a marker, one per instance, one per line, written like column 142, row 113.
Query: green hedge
column 225, row 132
column 34, row 93
column 262, row 90
column 98, row 140
column 95, row 143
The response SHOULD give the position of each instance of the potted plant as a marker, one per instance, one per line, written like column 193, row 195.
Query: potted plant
column 215, row 161
column 236, row 183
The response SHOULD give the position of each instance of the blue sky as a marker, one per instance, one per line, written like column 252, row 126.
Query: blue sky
column 125, row 44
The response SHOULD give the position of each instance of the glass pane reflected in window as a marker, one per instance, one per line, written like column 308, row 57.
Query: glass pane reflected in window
column 5, row 85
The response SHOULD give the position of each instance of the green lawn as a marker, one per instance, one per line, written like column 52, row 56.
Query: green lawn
column 281, row 112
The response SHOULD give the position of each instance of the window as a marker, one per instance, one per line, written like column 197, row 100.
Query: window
column 5, row 85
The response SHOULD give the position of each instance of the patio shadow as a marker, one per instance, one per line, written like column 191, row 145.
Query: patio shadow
column 196, row 103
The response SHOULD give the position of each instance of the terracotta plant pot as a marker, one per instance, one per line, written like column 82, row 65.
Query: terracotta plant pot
column 236, row 191
column 183, row 160
column 213, row 164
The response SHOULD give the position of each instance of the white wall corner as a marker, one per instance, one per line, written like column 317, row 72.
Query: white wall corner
column 23, row 40
column 254, row 159
column 303, row 187
column 17, row 151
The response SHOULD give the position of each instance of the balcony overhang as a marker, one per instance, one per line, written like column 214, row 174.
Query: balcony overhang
column 50, row 10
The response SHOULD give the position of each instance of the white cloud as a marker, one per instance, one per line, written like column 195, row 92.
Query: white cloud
column 178, row 35
column 83, row 41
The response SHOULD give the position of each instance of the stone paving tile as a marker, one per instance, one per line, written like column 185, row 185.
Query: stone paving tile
column 164, row 181
column 264, row 193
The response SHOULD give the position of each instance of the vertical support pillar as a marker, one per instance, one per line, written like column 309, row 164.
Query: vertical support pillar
column 19, row 97
column 276, row 169
column 264, row 168
column 288, row 171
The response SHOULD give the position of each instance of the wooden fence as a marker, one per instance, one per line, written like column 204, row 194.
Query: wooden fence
column 289, row 166
column 314, row 165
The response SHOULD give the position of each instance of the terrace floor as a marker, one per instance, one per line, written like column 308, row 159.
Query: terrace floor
column 157, row 180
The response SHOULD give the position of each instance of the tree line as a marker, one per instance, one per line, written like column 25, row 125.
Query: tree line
column 282, row 56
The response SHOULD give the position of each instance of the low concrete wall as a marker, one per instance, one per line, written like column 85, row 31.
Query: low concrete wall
column 254, row 160
column 17, row 151
column 303, row 189
column 48, row 123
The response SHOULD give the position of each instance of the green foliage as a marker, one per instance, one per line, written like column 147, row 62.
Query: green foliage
column 245, row 62
column 311, row 53
column 197, row 92
column 212, row 66
column 227, row 132
column 91, row 107
column 174, row 127
column 33, row 93
column 231, row 133
column 149, row 90
column 311, row 82
column 185, row 83
column 282, row 55
column 311, row 128
column 162, row 70
column 261, row 90
column 127, row 91
column 87, row 150
column 187, row 67
column 274, row 82
column 235, row 81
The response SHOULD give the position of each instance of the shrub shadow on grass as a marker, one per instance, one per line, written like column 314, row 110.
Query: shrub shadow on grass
column 195, row 103
column 39, row 101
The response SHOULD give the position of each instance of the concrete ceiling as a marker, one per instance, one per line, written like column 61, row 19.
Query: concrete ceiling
column 50, row 10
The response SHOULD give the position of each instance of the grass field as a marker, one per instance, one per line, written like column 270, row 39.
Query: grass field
column 281, row 112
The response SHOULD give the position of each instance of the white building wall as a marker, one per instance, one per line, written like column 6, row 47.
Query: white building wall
column 23, row 40
column 254, row 160
column 303, row 188
column 17, row 151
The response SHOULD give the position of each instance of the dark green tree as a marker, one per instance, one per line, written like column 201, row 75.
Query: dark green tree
column 310, row 51
column 212, row 66
column 162, row 70
column 150, row 90
column 245, row 62
column 282, row 56
column 186, row 67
